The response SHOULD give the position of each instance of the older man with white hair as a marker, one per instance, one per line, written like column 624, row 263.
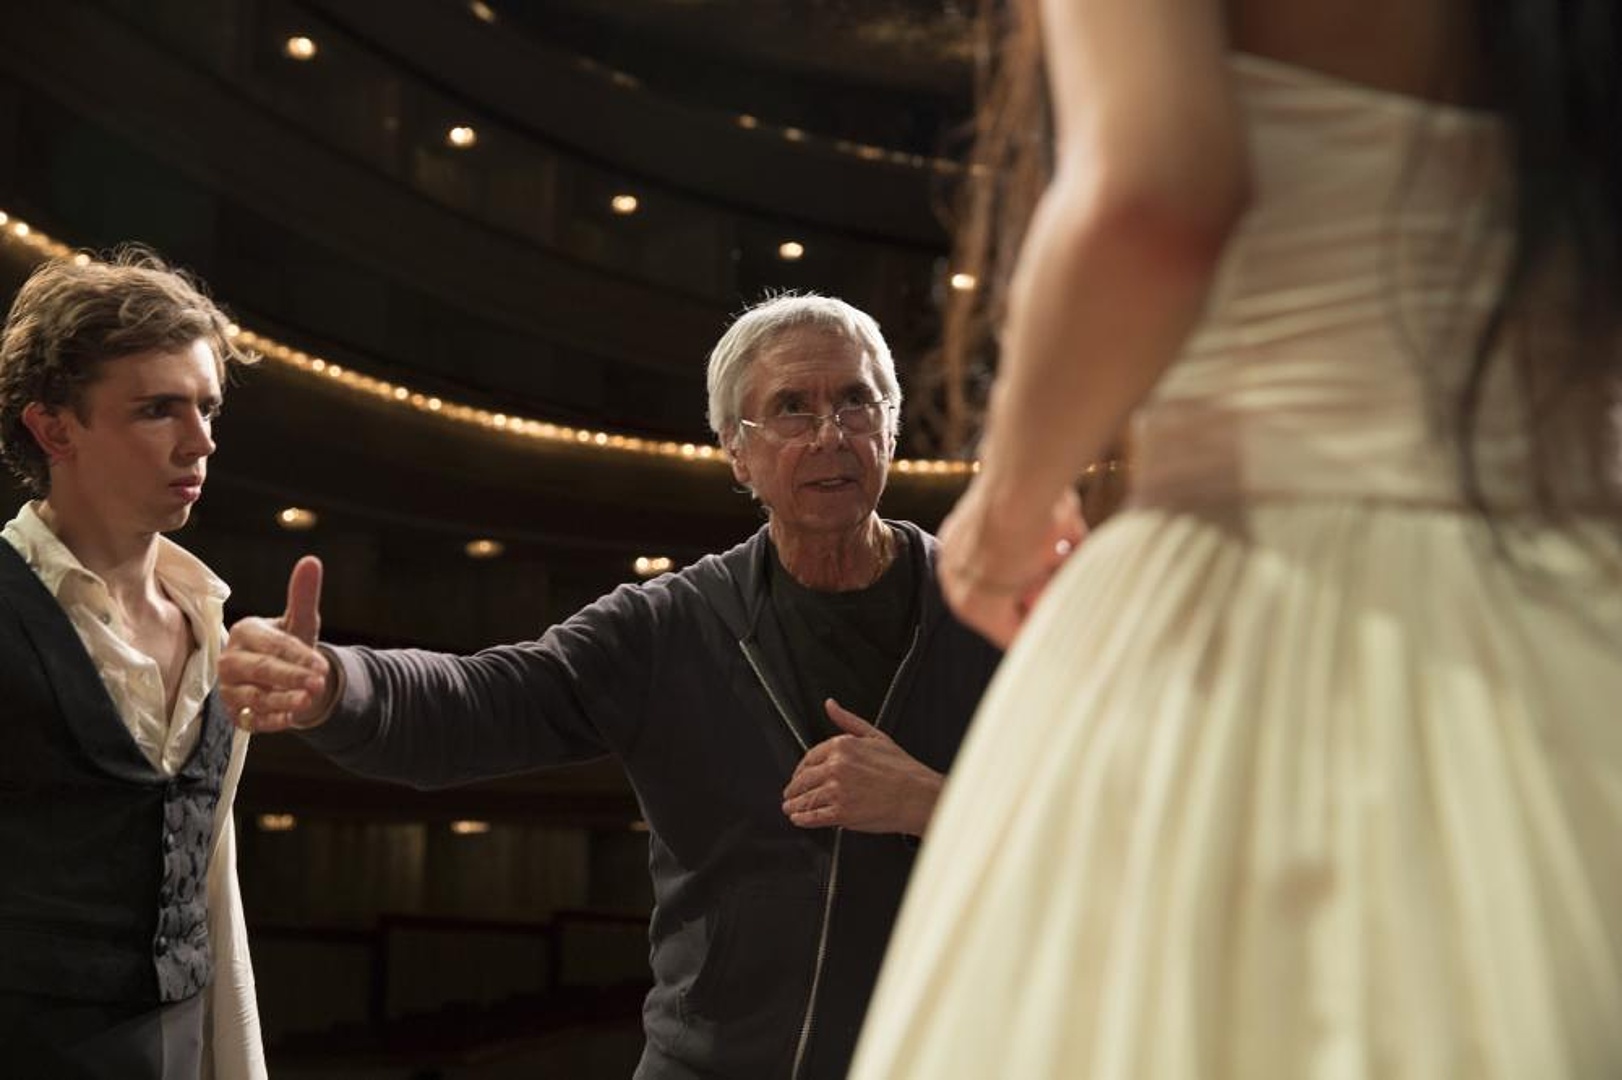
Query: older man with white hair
column 785, row 710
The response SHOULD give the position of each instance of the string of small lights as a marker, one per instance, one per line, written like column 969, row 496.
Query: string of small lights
column 42, row 246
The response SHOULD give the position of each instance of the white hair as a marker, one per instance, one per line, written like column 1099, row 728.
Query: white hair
column 763, row 324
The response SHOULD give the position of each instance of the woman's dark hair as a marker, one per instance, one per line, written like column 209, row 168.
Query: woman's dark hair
column 1551, row 66
column 1010, row 161
column 1553, row 70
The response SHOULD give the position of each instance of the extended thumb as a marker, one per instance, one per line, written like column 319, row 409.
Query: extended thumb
column 846, row 720
column 303, row 616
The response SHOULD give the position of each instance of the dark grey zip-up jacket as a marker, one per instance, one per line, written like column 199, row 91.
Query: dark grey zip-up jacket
column 766, row 938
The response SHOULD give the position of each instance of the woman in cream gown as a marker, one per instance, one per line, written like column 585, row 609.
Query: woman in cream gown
column 1302, row 767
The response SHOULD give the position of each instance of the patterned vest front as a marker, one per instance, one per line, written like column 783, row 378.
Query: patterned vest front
column 104, row 894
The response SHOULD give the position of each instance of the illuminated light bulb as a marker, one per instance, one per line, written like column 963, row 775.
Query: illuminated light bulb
column 296, row 518
column 300, row 47
column 469, row 827
column 276, row 822
column 482, row 11
column 963, row 282
column 624, row 204
column 484, row 549
column 461, row 137
column 790, row 250
column 747, row 122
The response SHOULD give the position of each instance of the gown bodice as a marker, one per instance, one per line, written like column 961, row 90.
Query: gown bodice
column 1346, row 306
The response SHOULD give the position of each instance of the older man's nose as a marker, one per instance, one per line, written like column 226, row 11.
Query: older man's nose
column 828, row 431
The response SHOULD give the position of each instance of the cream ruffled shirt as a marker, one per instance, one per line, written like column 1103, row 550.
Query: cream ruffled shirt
column 135, row 685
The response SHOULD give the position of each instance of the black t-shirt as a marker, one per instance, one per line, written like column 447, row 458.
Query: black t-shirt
column 845, row 645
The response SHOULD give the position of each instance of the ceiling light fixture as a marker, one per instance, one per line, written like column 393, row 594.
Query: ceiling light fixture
column 296, row 518
column 790, row 250
column 624, row 204
column 484, row 549
column 461, row 137
column 300, row 47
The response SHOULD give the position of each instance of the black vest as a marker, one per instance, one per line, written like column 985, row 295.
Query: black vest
column 102, row 896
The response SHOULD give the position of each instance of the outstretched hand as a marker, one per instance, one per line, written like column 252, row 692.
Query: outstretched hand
column 861, row 780
column 995, row 564
column 271, row 675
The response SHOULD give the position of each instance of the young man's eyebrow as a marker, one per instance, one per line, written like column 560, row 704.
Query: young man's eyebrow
column 166, row 398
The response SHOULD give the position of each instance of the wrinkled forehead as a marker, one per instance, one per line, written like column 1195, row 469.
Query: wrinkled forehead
column 810, row 360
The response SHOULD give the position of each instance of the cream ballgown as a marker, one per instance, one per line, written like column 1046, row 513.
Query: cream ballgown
column 1292, row 776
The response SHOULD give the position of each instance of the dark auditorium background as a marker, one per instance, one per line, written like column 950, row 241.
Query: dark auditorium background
column 485, row 248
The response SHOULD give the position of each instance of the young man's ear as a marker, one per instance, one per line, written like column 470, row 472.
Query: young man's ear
column 50, row 430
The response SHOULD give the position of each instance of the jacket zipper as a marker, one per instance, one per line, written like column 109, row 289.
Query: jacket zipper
column 808, row 1022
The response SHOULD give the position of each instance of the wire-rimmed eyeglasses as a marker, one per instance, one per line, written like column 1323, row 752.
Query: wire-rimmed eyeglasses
column 865, row 418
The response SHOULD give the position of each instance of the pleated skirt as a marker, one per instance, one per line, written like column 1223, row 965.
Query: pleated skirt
column 1306, row 790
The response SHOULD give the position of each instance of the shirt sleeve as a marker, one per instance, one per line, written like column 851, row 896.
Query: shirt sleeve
column 434, row 719
column 236, row 1051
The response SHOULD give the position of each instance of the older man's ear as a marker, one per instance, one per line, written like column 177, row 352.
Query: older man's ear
column 733, row 447
column 740, row 471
